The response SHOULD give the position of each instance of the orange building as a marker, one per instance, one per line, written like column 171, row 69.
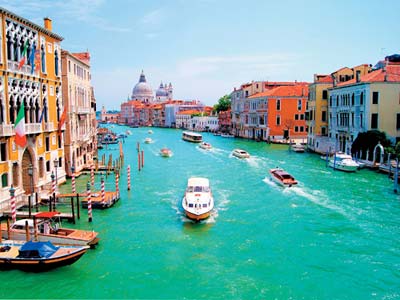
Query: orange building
column 279, row 113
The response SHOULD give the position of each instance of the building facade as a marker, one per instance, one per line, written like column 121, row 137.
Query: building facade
column 78, row 97
column 30, row 61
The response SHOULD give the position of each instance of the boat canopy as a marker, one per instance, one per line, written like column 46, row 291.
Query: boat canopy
column 47, row 214
column 37, row 250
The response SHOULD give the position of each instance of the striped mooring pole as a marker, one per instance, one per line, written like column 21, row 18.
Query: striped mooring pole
column 92, row 174
column 73, row 180
column 129, row 177
column 13, row 205
column 117, row 182
column 89, row 202
column 103, row 194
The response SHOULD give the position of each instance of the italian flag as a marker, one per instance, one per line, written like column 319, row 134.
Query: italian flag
column 20, row 137
column 23, row 55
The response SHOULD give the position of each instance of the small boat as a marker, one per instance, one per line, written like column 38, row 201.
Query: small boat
column 206, row 146
column 128, row 132
column 38, row 256
column 240, row 153
column 192, row 137
column 227, row 135
column 343, row 162
column 150, row 131
column 165, row 152
column 198, row 201
column 282, row 177
column 48, row 229
column 122, row 136
column 299, row 148
column 148, row 140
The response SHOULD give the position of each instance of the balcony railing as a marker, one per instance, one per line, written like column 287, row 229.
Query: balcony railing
column 26, row 69
column 33, row 128
column 48, row 127
column 84, row 110
column 6, row 130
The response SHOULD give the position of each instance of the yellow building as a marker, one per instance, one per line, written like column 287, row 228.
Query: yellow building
column 317, row 105
column 30, row 75
column 80, row 134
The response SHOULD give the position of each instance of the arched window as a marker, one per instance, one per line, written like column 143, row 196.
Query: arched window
column 56, row 62
column 362, row 98
column 43, row 58
column 41, row 167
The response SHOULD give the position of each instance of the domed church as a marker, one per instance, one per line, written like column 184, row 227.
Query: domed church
column 144, row 93
column 142, row 90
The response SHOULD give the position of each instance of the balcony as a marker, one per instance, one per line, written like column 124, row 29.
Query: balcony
column 33, row 128
column 84, row 110
column 6, row 130
column 48, row 127
column 12, row 66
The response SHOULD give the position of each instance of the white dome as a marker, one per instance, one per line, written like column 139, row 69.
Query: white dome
column 161, row 92
column 142, row 89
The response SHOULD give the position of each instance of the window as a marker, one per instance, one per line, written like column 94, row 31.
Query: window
column 278, row 104
column 299, row 104
column 362, row 98
column 398, row 122
column 323, row 131
column 323, row 117
column 352, row 99
column 302, row 117
column 296, row 128
column 330, row 101
column 47, row 143
column 374, row 121
column 3, row 152
column 324, row 94
column 361, row 120
column 337, row 100
column 278, row 120
column 4, row 180
column 296, row 116
column 375, row 97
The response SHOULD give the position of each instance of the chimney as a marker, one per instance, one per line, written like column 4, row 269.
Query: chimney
column 385, row 75
column 47, row 24
column 334, row 80
column 358, row 72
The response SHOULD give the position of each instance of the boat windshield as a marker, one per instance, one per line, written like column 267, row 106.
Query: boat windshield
column 198, row 189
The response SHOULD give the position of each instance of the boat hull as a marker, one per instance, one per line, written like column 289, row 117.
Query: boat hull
column 40, row 264
column 344, row 168
column 196, row 217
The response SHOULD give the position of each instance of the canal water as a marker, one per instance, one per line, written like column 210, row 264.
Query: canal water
column 334, row 236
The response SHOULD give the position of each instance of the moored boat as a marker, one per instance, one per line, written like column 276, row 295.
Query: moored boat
column 227, row 135
column 165, row 152
column 48, row 229
column 299, row 148
column 148, row 140
column 282, row 177
column 343, row 162
column 204, row 145
column 192, row 137
column 240, row 153
column 38, row 256
column 150, row 131
column 198, row 201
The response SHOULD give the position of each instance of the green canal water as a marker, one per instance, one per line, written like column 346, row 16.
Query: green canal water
column 334, row 236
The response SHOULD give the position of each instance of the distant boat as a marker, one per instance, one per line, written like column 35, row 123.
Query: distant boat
column 150, row 131
column 227, row 135
column 198, row 201
column 282, row 177
column 299, row 148
column 240, row 153
column 206, row 146
column 148, row 140
column 128, row 132
column 192, row 137
column 38, row 256
column 122, row 136
column 165, row 152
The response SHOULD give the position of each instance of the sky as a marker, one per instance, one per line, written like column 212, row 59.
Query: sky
column 205, row 48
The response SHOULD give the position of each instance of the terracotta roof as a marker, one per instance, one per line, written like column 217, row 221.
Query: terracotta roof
column 299, row 90
column 392, row 73
column 326, row 79
column 188, row 112
column 83, row 56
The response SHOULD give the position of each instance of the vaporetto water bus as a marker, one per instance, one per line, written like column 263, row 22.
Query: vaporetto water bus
column 192, row 137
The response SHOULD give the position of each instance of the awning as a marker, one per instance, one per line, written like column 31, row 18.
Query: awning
column 47, row 214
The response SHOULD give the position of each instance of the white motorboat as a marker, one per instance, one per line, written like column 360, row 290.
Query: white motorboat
column 198, row 201
column 299, row 148
column 240, row 153
column 150, row 131
column 282, row 177
column 128, row 132
column 206, row 146
column 343, row 162
column 48, row 229
column 227, row 135
column 192, row 137
column 148, row 140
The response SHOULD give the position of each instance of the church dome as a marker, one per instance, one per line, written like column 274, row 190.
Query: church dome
column 161, row 92
column 142, row 89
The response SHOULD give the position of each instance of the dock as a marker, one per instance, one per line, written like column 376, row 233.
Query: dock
column 25, row 215
column 111, row 197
